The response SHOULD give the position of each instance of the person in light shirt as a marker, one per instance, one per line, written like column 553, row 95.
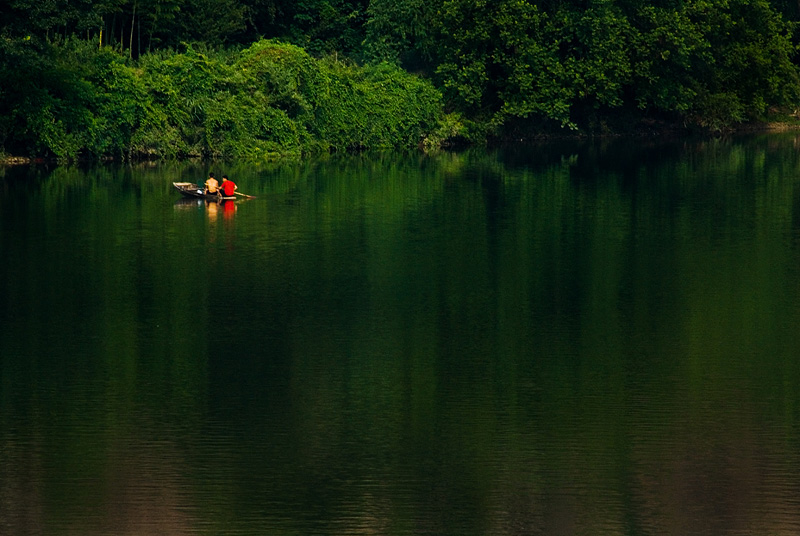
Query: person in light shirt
column 212, row 186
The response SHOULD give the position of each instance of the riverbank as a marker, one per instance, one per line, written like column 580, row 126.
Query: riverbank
column 643, row 129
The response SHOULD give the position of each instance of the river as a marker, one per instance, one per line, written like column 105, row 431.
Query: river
column 571, row 338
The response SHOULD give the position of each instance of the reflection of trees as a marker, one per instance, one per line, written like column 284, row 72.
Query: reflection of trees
column 601, row 316
column 602, row 338
column 99, row 352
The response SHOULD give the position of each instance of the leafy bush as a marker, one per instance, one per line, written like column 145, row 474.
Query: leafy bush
column 247, row 126
column 376, row 106
column 267, row 101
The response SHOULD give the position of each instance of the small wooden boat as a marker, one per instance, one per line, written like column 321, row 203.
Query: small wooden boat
column 189, row 189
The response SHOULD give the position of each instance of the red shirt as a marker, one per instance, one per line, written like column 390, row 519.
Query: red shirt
column 228, row 188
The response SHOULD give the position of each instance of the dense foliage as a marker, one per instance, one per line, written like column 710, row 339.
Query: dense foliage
column 268, row 100
column 712, row 63
column 270, row 77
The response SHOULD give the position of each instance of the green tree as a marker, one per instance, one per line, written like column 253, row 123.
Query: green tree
column 511, row 59
column 667, row 48
column 212, row 22
column 715, row 63
column 160, row 23
column 39, row 19
column 325, row 26
column 711, row 63
column 749, row 64
column 400, row 31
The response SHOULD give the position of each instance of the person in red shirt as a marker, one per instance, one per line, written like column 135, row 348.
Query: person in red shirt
column 228, row 187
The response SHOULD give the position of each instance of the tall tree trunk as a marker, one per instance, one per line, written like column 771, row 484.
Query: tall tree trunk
column 133, row 24
column 153, row 29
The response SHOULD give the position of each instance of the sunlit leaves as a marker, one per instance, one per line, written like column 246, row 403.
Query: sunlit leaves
column 267, row 101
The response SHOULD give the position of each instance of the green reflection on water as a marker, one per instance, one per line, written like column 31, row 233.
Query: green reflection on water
column 557, row 339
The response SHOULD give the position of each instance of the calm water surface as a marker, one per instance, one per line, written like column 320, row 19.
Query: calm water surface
column 567, row 339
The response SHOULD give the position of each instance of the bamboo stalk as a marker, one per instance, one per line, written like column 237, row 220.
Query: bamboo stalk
column 133, row 24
